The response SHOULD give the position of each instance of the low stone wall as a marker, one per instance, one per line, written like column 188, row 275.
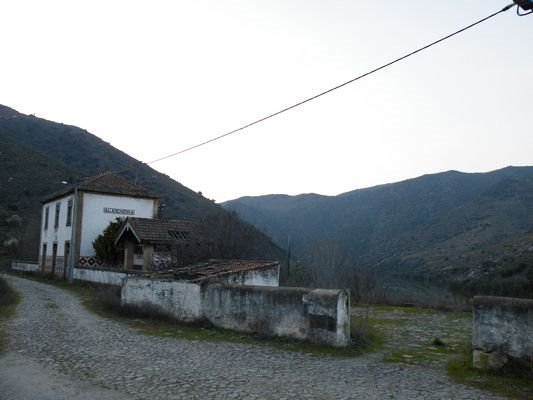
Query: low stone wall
column 25, row 266
column 318, row 315
column 181, row 300
column 98, row 275
column 502, row 332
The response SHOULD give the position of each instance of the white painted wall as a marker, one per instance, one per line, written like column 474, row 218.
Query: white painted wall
column 95, row 220
column 62, row 233
column 319, row 315
column 255, row 277
column 502, row 332
column 181, row 300
column 115, row 278
column 24, row 266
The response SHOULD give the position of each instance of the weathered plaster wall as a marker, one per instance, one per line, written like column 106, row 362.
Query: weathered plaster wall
column 317, row 315
column 502, row 332
column 25, row 266
column 115, row 278
column 182, row 300
column 255, row 277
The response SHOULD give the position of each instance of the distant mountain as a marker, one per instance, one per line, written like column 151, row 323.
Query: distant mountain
column 469, row 229
column 38, row 157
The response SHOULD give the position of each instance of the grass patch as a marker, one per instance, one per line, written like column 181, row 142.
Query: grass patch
column 461, row 370
column 402, row 309
column 364, row 334
column 9, row 299
column 417, row 356
column 387, row 322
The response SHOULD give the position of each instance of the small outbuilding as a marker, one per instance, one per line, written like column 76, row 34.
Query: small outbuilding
column 151, row 244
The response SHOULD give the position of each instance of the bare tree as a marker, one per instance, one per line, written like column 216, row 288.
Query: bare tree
column 327, row 260
column 330, row 266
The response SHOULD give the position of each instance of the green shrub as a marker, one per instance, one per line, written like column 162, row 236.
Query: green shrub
column 104, row 244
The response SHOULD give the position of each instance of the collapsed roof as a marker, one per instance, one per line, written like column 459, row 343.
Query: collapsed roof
column 212, row 269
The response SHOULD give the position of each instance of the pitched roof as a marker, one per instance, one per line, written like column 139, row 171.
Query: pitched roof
column 107, row 183
column 214, row 268
column 157, row 231
column 110, row 183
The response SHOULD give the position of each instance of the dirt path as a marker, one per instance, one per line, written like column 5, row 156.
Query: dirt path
column 59, row 350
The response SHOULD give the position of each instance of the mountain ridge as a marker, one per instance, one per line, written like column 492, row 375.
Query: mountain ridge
column 420, row 226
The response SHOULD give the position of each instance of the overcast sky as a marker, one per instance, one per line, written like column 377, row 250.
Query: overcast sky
column 154, row 77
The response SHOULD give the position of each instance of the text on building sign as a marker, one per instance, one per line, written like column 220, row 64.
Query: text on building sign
column 121, row 211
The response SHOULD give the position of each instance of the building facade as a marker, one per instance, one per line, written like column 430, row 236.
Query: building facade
column 74, row 217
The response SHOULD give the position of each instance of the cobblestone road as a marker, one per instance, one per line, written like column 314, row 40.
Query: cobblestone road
column 59, row 350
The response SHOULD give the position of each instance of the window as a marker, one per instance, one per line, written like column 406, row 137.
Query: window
column 56, row 220
column 43, row 258
column 46, row 215
column 69, row 213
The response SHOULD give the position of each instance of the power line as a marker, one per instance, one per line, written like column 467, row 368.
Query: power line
column 307, row 100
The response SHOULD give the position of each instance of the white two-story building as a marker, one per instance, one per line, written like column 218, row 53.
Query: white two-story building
column 74, row 217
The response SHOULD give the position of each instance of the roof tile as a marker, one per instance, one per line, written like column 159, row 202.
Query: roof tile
column 212, row 269
column 158, row 231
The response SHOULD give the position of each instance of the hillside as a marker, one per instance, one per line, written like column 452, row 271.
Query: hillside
column 88, row 154
column 25, row 177
column 37, row 155
column 447, row 227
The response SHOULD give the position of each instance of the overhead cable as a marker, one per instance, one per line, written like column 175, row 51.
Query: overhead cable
column 307, row 100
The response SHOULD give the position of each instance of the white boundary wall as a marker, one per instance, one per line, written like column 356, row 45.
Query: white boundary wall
column 25, row 266
column 181, row 300
column 115, row 278
column 318, row 315
column 258, row 277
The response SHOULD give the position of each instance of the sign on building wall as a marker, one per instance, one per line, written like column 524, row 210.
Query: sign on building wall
column 121, row 211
